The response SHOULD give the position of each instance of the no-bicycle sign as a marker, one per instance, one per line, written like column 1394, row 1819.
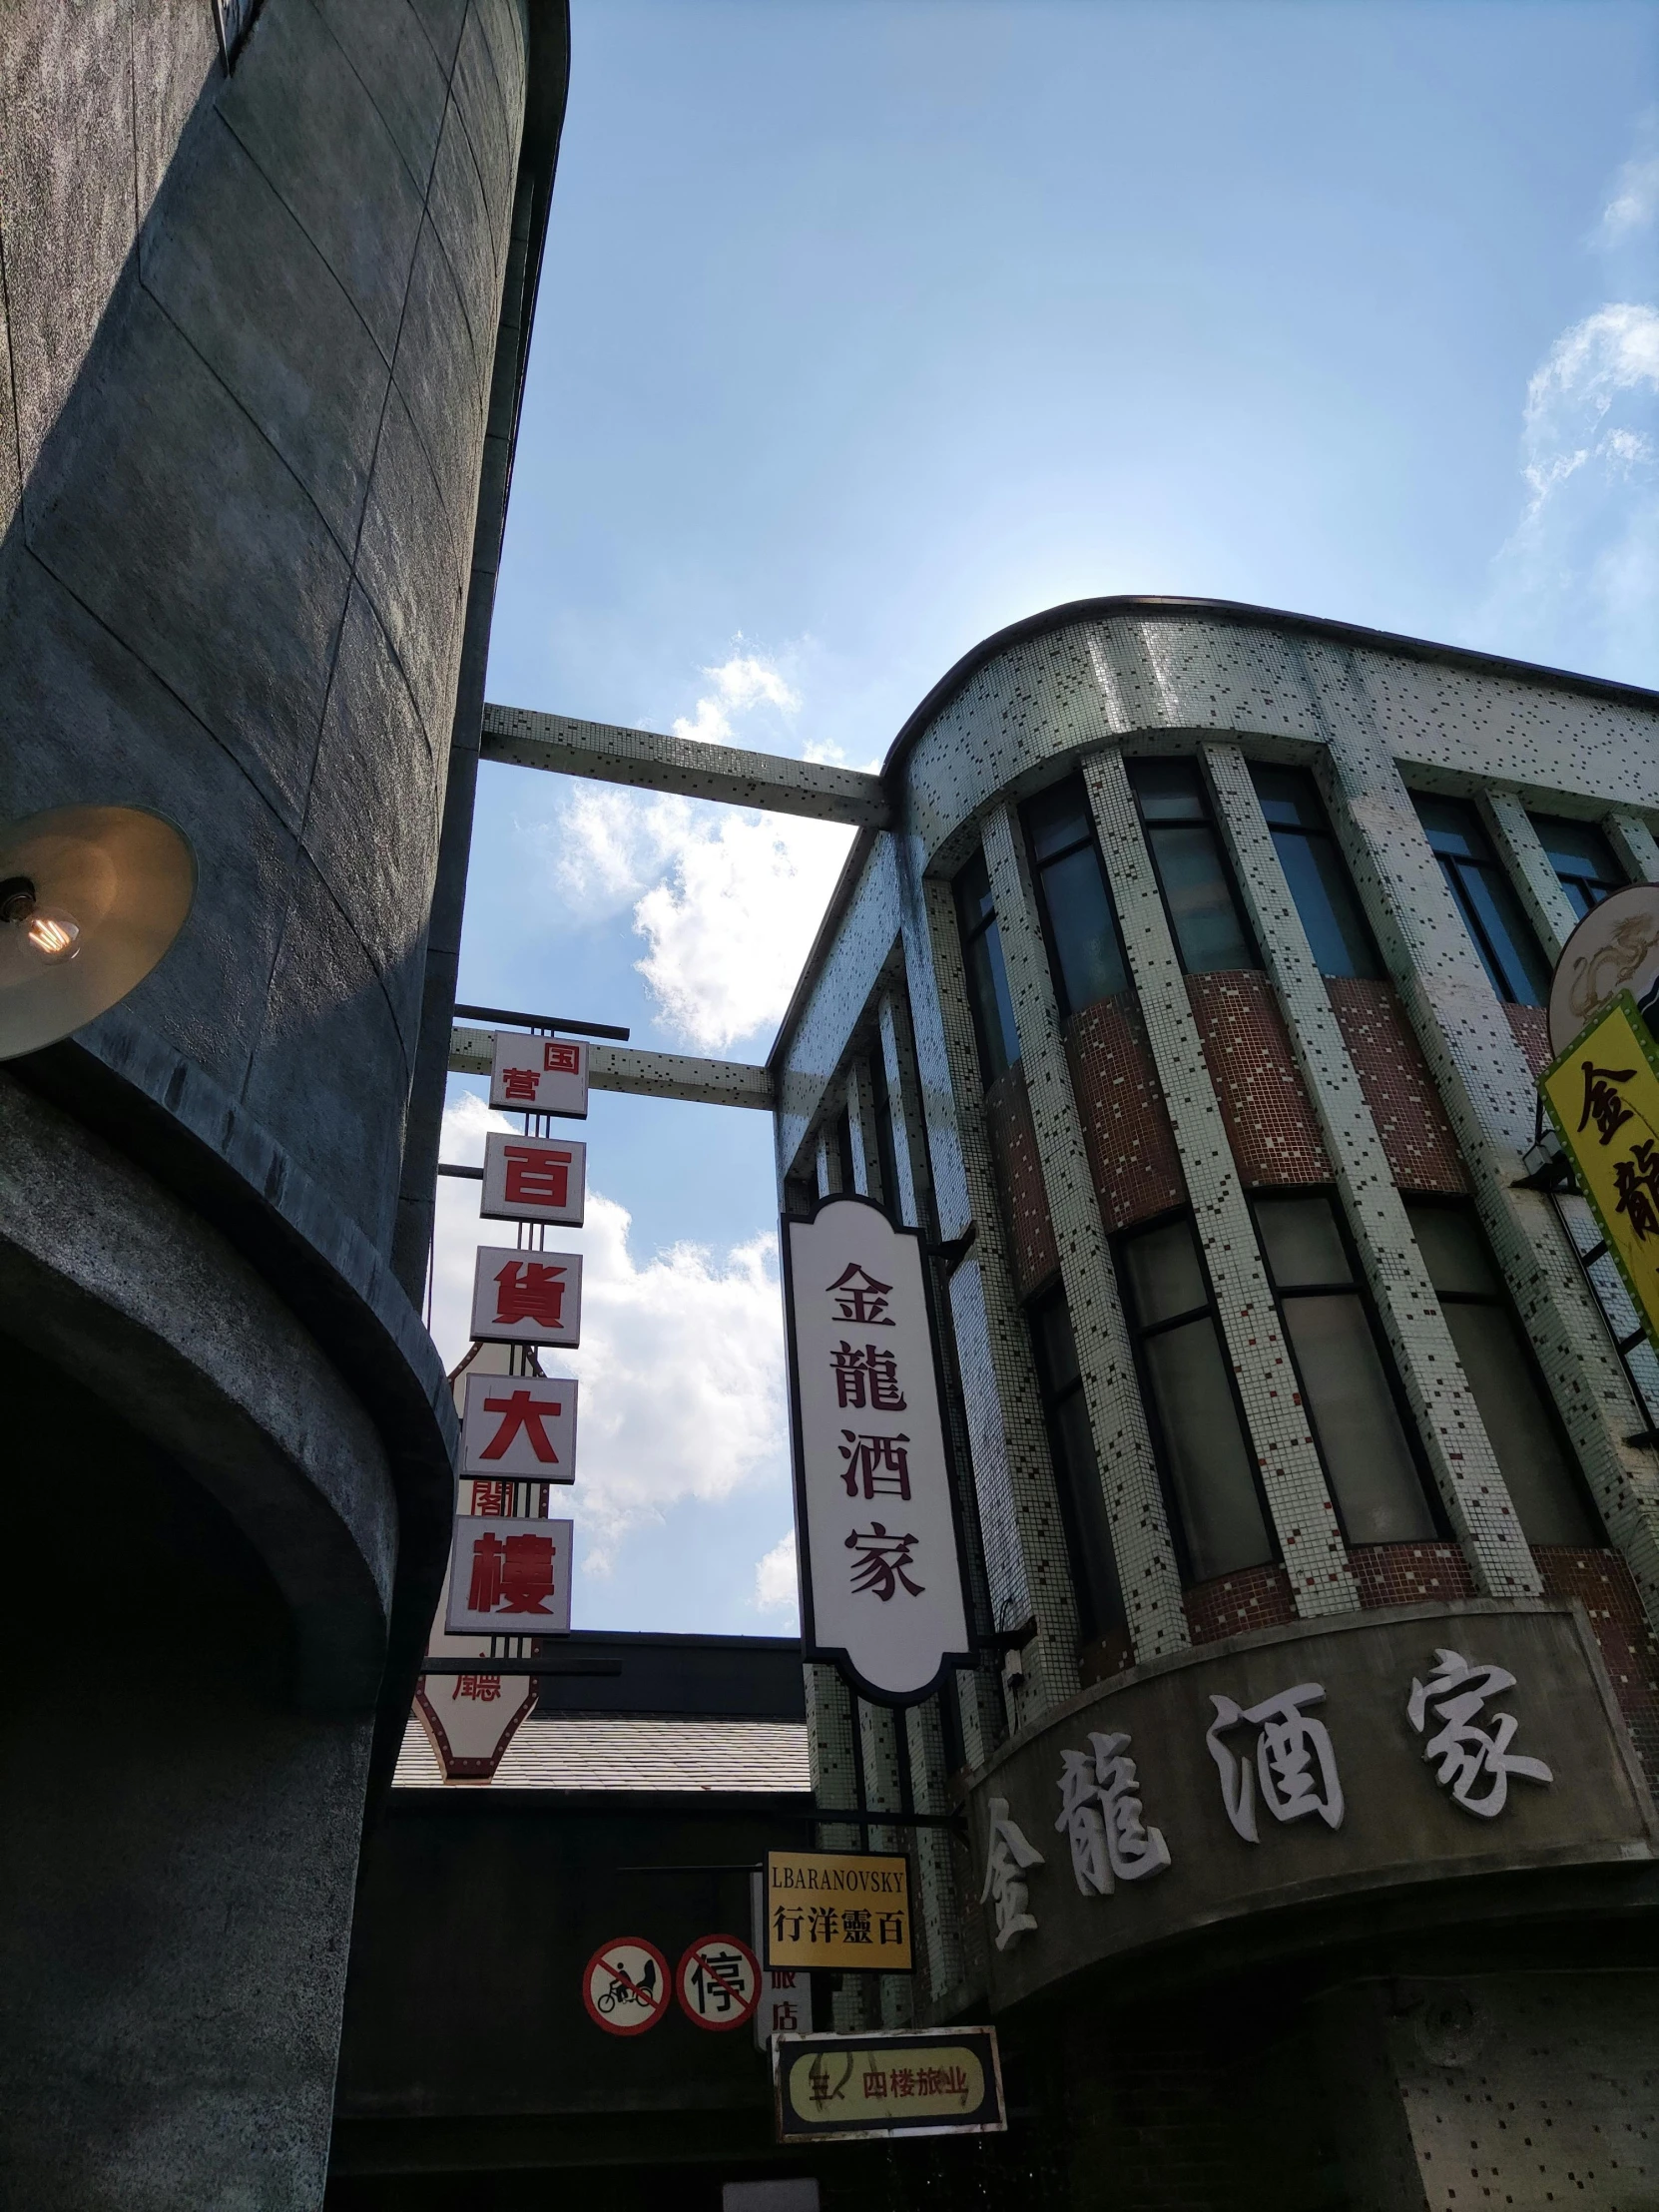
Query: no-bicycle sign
column 625, row 1986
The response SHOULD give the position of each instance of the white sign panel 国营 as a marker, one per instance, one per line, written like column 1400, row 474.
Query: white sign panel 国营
column 518, row 1428
column 527, row 1298
column 534, row 1179
column 509, row 1577
column 881, row 1581
column 539, row 1075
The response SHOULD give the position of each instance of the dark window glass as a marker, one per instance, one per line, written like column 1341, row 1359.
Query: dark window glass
column 1084, row 952
column 1582, row 860
column 1513, row 1409
column 1214, row 1499
column 1313, row 866
column 1083, row 1506
column 993, row 1009
column 844, row 1150
column 1203, row 912
column 1490, row 910
column 1368, row 1462
column 885, row 1147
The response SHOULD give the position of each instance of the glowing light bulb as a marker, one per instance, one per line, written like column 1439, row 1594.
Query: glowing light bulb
column 49, row 935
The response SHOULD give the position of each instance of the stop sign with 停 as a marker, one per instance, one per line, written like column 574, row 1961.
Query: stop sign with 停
column 718, row 1983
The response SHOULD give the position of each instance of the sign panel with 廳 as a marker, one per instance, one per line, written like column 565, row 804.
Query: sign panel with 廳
column 526, row 1298
column 534, row 1179
column 920, row 2081
column 518, row 1428
column 539, row 1075
column 881, row 1574
column 841, row 1909
column 509, row 1577
column 1603, row 1097
column 625, row 1986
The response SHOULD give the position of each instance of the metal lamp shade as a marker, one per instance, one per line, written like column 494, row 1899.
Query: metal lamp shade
column 127, row 876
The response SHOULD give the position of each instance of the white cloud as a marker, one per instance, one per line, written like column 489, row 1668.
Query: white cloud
column 1575, row 581
column 680, row 1361
column 1634, row 201
column 726, row 899
column 775, row 1589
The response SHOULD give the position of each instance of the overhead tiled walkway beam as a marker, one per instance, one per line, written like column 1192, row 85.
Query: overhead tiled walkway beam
column 617, row 1067
column 688, row 765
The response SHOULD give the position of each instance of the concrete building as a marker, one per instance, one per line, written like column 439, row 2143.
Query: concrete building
column 1190, row 1000
column 268, row 279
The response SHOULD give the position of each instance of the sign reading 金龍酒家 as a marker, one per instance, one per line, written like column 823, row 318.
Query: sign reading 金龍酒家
column 841, row 1909
column 1603, row 1097
column 881, row 1580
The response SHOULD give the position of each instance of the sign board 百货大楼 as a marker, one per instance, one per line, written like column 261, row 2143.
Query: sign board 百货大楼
column 509, row 1577
column 882, row 1565
column 625, row 1986
column 518, row 1428
column 526, row 1298
column 837, row 1909
column 539, row 1075
column 718, row 1983
column 534, row 1179
column 1603, row 1097
column 898, row 2081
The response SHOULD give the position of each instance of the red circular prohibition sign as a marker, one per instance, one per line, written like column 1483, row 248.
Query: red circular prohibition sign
column 718, row 1983
column 625, row 1986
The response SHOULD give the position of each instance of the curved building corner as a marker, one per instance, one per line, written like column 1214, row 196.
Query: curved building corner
column 266, row 323
column 1193, row 1008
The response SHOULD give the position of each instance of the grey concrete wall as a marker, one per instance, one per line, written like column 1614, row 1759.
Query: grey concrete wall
column 251, row 326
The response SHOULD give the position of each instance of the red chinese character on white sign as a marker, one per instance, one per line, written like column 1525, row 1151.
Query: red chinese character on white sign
column 521, row 1426
column 544, row 1075
column 530, row 1297
column 509, row 1577
column 533, row 1179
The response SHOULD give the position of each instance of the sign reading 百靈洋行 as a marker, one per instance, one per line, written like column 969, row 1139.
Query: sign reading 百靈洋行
column 509, row 1577
column 1602, row 1094
column 841, row 1909
column 882, row 1575
column 893, row 2081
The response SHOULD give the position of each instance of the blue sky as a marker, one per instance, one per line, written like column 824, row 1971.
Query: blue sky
column 868, row 325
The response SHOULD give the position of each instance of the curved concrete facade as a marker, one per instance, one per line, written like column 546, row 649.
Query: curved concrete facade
column 1390, row 1095
column 265, row 333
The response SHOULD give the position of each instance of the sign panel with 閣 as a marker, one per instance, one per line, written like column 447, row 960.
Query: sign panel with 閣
column 526, row 1298
column 509, row 1576
column 518, row 1428
column 922, row 2081
column 1603, row 1097
column 539, row 1075
column 881, row 1577
column 534, row 1179
column 839, row 1909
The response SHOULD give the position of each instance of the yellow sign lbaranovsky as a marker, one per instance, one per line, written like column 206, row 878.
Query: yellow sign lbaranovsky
column 841, row 1909
column 1603, row 1097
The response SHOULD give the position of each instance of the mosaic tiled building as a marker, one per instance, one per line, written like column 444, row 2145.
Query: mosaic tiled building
column 1191, row 1004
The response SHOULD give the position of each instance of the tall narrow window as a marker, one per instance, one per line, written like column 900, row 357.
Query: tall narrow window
column 1344, row 1384
column 1491, row 912
column 1085, row 954
column 886, row 1152
column 1212, row 1476
column 1582, row 860
column 1082, row 1507
column 1337, row 929
column 1203, row 908
column 1513, row 1409
column 993, row 1009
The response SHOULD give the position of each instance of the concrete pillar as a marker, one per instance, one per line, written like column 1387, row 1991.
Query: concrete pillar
column 1465, row 1467
column 1633, row 842
column 1489, row 1094
column 1141, row 1541
column 1020, row 1516
column 1304, row 1518
column 1549, row 909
